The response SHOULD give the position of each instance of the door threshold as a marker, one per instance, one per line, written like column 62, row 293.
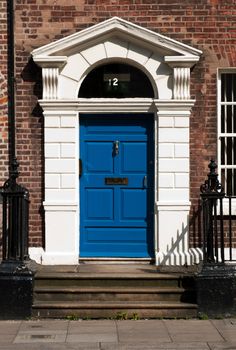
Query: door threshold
column 116, row 260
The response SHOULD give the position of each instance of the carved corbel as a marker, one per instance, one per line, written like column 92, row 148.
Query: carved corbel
column 50, row 72
column 181, row 83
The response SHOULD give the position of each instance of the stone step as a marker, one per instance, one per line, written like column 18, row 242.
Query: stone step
column 118, row 310
column 113, row 294
column 116, row 280
column 112, row 291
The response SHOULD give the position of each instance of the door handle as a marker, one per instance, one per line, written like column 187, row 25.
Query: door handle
column 80, row 167
column 116, row 145
column 145, row 181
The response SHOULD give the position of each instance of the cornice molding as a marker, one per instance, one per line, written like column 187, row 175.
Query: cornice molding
column 103, row 105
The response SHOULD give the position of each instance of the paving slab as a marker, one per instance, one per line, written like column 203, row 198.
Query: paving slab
column 222, row 346
column 95, row 338
column 91, row 326
column 51, row 346
column 9, row 327
column 193, row 330
column 227, row 329
column 44, row 337
column 92, row 331
column 7, row 338
column 142, row 331
column 156, row 346
column 41, row 325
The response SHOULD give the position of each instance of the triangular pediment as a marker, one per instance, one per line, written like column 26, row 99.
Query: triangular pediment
column 115, row 28
column 67, row 61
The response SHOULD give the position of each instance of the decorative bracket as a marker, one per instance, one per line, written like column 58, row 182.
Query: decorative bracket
column 50, row 73
column 181, row 66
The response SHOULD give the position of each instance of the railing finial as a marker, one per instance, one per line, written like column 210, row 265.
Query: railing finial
column 212, row 184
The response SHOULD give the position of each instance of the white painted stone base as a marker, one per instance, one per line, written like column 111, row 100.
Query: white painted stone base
column 190, row 257
column 173, row 234
column 61, row 234
column 36, row 253
column 58, row 258
column 55, row 258
column 193, row 256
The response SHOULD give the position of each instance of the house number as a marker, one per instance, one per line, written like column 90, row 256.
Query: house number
column 113, row 82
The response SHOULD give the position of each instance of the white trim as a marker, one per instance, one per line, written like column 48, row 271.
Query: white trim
column 173, row 206
column 181, row 61
column 220, row 71
column 105, row 105
column 101, row 105
column 60, row 206
column 50, row 61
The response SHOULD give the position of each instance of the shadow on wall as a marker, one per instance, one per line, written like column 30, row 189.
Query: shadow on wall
column 0, row 227
column 33, row 74
column 180, row 251
column 195, row 226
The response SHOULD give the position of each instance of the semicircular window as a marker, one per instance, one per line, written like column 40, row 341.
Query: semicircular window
column 116, row 80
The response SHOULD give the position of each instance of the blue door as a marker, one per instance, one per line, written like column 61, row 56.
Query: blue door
column 116, row 185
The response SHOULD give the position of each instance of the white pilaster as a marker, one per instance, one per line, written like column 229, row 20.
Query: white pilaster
column 61, row 186
column 172, row 183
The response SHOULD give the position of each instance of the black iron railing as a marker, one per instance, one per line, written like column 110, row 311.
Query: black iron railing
column 15, row 222
column 219, row 220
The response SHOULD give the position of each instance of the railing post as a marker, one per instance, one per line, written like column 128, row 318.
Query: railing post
column 216, row 281
column 16, row 279
column 211, row 192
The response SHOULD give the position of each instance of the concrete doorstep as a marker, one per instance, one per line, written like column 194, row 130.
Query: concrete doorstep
column 118, row 334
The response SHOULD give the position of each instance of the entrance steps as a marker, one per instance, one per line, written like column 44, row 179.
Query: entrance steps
column 114, row 292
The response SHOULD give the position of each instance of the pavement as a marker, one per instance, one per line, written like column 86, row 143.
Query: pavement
column 118, row 334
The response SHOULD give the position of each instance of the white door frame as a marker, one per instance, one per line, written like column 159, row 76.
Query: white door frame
column 65, row 64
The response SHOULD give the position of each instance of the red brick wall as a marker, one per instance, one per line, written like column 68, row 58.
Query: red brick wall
column 3, row 92
column 208, row 25
column 3, row 104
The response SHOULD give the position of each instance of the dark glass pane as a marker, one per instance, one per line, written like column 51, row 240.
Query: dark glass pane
column 116, row 80
column 223, row 178
column 234, row 182
column 228, row 87
column 222, row 87
column 229, row 150
column 234, row 151
column 223, row 150
column 234, row 118
column 234, row 87
column 223, row 119
column 229, row 182
column 229, row 119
